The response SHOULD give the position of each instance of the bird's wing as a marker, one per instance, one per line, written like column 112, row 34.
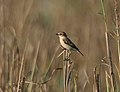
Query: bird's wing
column 69, row 42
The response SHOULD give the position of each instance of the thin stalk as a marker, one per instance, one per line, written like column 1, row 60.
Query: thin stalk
column 51, row 62
column 11, row 61
column 106, row 79
column 67, row 70
column 94, row 80
column 23, row 83
column 75, row 82
column 108, row 48
column 117, row 29
column 64, row 70
column 21, row 67
column 33, row 67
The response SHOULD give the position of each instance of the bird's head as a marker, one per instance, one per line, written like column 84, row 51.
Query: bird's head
column 61, row 34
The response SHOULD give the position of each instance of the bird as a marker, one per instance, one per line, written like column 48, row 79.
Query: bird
column 66, row 43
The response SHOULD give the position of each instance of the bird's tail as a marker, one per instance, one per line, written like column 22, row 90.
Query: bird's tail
column 80, row 52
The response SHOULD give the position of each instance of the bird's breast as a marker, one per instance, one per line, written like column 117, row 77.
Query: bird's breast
column 66, row 46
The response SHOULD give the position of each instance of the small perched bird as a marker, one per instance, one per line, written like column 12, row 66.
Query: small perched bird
column 66, row 43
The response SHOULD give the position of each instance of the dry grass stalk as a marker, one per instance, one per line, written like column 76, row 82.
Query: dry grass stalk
column 54, row 70
column 21, row 66
column 33, row 67
column 94, row 83
column 75, row 79
column 44, row 80
column 118, row 72
column 112, row 75
column 11, row 60
column 67, row 70
column 117, row 28
column 106, row 79
column 51, row 62
column 23, row 83
column 96, row 86
column 107, row 37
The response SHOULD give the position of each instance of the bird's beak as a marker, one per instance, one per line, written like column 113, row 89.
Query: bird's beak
column 56, row 33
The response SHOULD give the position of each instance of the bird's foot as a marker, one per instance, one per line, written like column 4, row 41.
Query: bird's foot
column 67, row 59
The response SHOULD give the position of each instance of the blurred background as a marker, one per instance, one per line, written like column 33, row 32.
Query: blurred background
column 25, row 23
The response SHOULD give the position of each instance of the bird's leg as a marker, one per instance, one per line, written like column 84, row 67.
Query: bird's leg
column 68, row 55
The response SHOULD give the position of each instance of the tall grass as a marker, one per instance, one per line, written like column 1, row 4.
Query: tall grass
column 109, row 56
column 110, row 75
column 28, row 49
